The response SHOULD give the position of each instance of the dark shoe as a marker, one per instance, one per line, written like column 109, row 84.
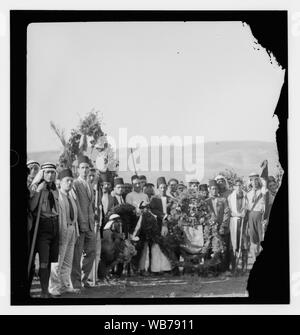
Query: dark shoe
column 46, row 295
column 44, row 280
column 175, row 272
column 87, row 285
column 144, row 273
column 227, row 274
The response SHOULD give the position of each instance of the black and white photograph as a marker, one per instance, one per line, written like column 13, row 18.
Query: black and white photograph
column 155, row 158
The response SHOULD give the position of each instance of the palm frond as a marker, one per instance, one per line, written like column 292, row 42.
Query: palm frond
column 59, row 132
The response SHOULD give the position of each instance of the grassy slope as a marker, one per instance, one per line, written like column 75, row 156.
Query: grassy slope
column 243, row 157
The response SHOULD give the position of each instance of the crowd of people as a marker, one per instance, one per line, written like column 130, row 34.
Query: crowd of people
column 66, row 213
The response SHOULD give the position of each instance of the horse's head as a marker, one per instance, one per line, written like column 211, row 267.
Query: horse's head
column 127, row 252
column 127, row 214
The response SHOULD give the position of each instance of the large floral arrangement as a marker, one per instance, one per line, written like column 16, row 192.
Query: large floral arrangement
column 83, row 139
column 90, row 126
column 192, row 216
column 202, row 248
column 190, row 209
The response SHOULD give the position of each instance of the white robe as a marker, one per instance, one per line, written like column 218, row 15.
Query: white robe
column 235, row 216
column 159, row 262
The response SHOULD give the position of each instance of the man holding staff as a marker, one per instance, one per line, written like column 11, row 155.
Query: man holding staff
column 256, row 210
column 45, row 208
column 237, row 202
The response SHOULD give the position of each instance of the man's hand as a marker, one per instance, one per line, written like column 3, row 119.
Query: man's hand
column 42, row 186
column 164, row 230
column 222, row 231
column 265, row 224
column 165, row 218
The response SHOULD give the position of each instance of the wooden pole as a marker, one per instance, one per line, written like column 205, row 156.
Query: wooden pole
column 35, row 234
column 133, row 161
column 240, row 244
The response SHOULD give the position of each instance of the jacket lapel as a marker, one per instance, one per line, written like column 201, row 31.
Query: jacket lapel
column 210, row 204
column 159, row 202
column 218, row 206
column 84, row 189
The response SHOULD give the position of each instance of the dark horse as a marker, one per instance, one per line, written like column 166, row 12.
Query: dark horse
column 116, row 247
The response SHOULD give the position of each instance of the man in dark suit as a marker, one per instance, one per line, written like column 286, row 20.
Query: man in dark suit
column 220, row 215
column 107, row 200
column 86, row 242
column 118, row 191
column 160, row 206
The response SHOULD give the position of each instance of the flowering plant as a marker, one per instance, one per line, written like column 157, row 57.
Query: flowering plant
column 190, row 209
column 91, row 126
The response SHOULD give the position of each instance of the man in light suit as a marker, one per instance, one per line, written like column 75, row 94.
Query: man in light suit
column 86, row 242
column 68, row 233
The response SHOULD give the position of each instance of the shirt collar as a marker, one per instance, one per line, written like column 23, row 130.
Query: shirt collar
column 64, row 192
column 84, row 180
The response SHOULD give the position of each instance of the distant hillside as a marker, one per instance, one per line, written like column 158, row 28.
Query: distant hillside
column 243, row 157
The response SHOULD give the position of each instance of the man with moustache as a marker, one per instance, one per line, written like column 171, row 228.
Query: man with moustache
column 143, row 181
column 172, row 188
column 224, row 190
column 149, row 190
column 137, row 196
column 107, row 199
column 118, row 191
column 203, row 191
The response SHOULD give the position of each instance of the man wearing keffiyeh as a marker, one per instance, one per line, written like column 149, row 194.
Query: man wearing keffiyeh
column 45, row 197
column 237, row 202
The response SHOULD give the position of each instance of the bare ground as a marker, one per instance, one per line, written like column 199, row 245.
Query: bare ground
column 163, row 286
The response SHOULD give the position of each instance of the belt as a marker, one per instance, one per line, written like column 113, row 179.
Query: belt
column 50, row 219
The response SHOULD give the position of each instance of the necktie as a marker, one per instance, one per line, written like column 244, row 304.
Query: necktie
column 50, row 197
column 71, row 210
column 254, row 197
column 105, row 202
column 239, row 202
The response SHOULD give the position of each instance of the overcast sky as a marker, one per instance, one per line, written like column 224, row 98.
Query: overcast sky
column 153, row 78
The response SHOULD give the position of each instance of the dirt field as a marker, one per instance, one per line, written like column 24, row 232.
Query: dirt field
column 162, row 287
